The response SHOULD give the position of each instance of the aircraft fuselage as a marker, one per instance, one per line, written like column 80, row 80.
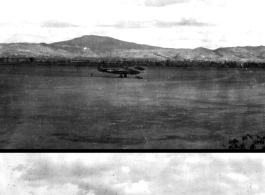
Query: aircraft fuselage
column 120, row 71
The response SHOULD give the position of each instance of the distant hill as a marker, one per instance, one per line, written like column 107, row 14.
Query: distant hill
column 100, row 46
column 241, row 53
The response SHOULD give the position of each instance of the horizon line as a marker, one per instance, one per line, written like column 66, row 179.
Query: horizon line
column 129, row 42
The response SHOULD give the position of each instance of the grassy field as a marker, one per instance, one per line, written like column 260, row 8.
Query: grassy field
column 66, row 107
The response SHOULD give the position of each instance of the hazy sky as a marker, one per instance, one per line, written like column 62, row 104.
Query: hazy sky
column 132, row 174
column 166, row 23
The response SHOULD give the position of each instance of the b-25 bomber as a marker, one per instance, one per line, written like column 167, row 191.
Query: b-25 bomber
column 123, row 72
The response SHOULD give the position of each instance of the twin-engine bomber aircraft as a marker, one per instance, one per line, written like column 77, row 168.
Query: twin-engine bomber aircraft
column 123, row 72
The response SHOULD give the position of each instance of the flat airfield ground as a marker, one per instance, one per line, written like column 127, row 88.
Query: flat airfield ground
column 61, row 107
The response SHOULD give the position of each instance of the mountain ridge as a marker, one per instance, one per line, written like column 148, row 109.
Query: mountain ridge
column 95, row 46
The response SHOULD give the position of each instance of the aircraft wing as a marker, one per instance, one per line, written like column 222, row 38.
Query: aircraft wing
column 125, row 71
column 116, row 71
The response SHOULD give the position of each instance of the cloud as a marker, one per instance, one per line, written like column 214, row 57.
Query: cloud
column 58, row 173
column 124, row 24
column 237, row 177
column 162, row 3
column 115, row 174
column 140, row 187
column 154, row 23
column 118, row 174
column 56, row 24
column 182, row 22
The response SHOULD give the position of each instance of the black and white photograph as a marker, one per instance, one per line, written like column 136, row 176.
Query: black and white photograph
column 131, row 74
column 132, row 174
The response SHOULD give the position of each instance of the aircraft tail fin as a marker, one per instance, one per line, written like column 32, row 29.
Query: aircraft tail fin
column 100, row 66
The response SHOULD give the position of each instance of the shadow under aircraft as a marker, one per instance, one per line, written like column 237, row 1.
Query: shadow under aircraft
column 123, row 72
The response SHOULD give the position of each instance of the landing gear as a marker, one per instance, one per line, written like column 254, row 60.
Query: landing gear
column 124, row 75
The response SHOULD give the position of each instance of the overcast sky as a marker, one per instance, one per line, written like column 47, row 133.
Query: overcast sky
column 166, row 23
column 132, row 174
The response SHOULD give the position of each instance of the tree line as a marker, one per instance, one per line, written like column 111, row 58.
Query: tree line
column 129, row 62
